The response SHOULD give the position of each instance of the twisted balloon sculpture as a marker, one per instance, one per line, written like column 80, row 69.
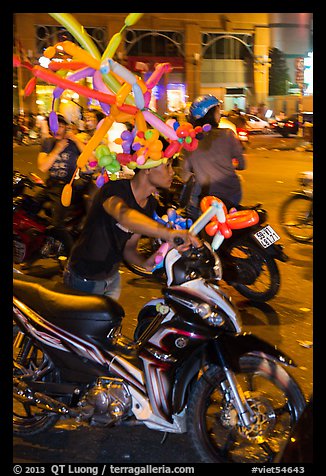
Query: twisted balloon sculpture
column 123, row 97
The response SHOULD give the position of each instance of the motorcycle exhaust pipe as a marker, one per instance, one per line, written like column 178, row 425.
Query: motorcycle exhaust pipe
column 24, row 394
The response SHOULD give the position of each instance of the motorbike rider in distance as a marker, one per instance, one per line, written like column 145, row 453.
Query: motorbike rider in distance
column 215, row 160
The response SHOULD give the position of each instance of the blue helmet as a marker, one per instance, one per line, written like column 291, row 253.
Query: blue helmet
column 201, row 105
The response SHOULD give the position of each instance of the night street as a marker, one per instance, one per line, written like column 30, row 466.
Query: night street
column 285, row 321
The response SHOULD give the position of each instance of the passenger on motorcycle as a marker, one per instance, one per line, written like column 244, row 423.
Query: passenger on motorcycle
column 120, row 213
column 58, row 156
column 214, row 162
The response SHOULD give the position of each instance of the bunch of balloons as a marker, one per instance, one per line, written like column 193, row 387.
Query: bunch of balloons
column 171, row 220
column 123, row 97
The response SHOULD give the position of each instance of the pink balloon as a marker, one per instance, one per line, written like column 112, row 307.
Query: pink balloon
column 158, row 73
column 158, row 124
column 99, row 84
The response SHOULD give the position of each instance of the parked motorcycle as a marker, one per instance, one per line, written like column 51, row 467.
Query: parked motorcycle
column 248, row 257
column 190, row 368
column 34, row 236
column 296, row 212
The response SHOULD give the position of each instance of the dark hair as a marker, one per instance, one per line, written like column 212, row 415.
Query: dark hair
column 209, row 118
column 98, row 114
column 61, row 119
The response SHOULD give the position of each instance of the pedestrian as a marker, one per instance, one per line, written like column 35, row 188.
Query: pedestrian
column 58, row 156
column 92, row 118
column 121, row 212
column 215, row 161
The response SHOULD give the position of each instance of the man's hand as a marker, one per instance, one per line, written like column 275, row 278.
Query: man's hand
column 188, row 239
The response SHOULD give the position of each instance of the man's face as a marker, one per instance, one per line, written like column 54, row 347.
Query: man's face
column 61, row 132
column 90, row 121
column 162, row 175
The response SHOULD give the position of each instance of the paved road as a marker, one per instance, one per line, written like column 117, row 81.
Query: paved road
column 285, row 321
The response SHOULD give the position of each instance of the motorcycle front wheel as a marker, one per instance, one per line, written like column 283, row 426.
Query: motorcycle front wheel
column 213, row 424
column 28, row 362
column 296, row 218
column 258, row 275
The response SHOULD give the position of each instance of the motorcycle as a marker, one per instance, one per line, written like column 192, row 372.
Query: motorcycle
column 190, row 368
column 296, row 212
column 248, row 256
column 34, row 236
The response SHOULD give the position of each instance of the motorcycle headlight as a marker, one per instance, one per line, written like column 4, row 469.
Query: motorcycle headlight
column 213, row 316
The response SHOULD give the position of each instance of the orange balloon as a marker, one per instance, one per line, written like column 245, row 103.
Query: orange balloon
column 95, row 140
column 66, row 195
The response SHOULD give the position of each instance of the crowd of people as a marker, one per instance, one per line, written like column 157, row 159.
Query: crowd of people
column 121, row 211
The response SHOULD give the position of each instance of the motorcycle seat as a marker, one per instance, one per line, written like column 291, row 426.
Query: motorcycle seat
column 71, row 309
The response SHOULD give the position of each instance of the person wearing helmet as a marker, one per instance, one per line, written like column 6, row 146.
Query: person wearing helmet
column 215, row 160
column 121, row 212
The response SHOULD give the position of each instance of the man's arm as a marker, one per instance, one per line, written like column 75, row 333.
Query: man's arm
column 46, row 160
column 139, row 223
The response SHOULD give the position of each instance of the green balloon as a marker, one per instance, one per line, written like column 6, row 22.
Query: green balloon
column 105, row 160
column 102, row 150
column 113, row 167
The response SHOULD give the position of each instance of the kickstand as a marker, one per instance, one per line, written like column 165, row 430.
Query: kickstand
column 164, row 437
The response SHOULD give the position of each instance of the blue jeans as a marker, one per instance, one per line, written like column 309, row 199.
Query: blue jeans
column 108, row 287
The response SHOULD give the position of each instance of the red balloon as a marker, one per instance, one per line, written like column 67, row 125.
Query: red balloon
column 29, row 88
column 242, row 219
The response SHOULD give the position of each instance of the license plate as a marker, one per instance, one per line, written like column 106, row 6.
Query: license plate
column 266, row 236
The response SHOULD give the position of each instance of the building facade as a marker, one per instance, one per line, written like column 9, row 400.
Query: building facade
column 225, row 54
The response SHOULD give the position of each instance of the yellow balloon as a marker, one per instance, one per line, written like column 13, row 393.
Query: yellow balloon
column 66, row 195
column 123, row 93
column 78, row 32
column 132, row 18
column 112, row 46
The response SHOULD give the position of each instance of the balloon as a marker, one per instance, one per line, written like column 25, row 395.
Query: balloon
column 139, row 98
column 120, row 70
column 160, row 69
column 132, row 18
column 100, row 86
column 114, row 85
column 94, row 141
column 140, row 121
column 53, row 122
column 173, row 148
column 158, row 124
column 70, row 65
column 78, row 32
column 49, row 52
column 242, row 219
column 101, row 150
column 123, row 93
column 50, row 77
column 77, row 52
column 66, row 195
column 29, row 88
column 112, row 46
column 105, row 160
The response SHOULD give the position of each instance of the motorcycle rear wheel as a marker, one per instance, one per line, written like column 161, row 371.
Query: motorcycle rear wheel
column 296, row 218
column 265, row 276
column 27, row 419
column 213, row 425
